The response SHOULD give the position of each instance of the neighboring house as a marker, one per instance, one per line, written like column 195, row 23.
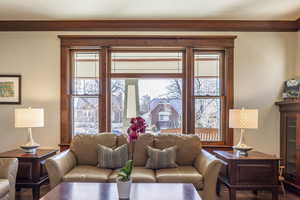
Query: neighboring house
column 165, row 114
column 117, row 112
column 86, row 115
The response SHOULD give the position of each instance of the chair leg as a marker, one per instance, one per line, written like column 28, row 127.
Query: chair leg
column 283, row 189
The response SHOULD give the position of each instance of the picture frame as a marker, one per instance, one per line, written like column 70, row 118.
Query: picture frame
column 10, row 89
column 291, row 89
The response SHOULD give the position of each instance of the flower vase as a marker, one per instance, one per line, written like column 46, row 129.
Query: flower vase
column 124, row 189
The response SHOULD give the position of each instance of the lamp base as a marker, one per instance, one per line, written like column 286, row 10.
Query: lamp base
column 31, row 145
column 241, row 148
column 29, row 149
column 243, row 151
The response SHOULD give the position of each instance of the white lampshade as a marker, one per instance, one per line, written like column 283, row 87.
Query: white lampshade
column 29, row 117
column 243, row 118
column 131, row 102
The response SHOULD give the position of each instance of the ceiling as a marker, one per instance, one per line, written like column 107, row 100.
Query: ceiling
column 149, row 9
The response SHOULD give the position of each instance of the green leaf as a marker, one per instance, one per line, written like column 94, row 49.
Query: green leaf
column 125, row 172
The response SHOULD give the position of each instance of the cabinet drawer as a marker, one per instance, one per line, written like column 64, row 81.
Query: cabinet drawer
column 255, row 173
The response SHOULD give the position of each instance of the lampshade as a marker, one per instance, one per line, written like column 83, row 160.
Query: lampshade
column 131, row 102
column 243, row 118
column 29, row 117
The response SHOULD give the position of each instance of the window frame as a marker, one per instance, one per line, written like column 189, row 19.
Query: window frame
column 151, row 75
column 187, row 44
column 72, row 95
column 222, row 95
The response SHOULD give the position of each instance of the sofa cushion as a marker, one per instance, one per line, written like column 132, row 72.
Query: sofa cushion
column 4, row 187
column 189, row 146
column 86, row 173
column 181, row 174
column 112, row 158
column 84, row 146
column 139, row 175
column 122, row 139
column 140, row 155
column 160, row 159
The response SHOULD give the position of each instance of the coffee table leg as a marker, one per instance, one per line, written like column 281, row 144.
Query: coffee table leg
column 36, row 193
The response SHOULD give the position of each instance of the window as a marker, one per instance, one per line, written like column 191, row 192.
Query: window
column 207, row 95
column 85, row 92
column 164, row 116
column 146, row 62
column 177, row 84
column 158, row 101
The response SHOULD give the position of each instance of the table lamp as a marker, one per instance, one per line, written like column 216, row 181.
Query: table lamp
column 243, row 119
column 29, row 118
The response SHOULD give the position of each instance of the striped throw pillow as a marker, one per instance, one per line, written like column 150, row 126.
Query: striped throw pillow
column 112, row 158
column 160, row 159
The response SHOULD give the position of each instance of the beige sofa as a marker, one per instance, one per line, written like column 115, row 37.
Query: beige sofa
column 8, row 173
column 78, row 164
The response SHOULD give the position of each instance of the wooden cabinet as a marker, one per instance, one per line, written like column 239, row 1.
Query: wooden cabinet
column 290, row 141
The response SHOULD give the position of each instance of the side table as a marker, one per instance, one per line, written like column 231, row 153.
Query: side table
column 31, row 172
column 257, row 171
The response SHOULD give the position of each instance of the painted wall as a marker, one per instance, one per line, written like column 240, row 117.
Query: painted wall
column 262, row 62
column 36, row 56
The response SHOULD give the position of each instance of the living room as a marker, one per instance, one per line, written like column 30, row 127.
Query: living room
column 215, row 82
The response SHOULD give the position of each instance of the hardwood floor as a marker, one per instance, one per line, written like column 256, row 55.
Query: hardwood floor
column 25, row 194
column 262, row 195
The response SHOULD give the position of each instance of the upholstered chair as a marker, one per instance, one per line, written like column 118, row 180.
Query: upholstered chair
column 8, row 173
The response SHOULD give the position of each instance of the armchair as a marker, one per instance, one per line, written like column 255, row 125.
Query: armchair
column 209, row 166
column 8, row 173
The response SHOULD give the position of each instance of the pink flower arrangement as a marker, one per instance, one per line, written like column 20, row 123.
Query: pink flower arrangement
column 138, row 126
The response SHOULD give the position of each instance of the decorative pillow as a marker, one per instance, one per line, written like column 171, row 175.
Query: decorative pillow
column 112, row 158
column 159, row 159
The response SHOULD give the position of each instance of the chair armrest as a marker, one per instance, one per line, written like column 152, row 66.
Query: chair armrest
column 8, row 170
column 58, row 165
column 208, row 166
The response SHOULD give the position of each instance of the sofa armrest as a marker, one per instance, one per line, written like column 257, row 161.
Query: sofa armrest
column 209, row 167
column 58, row 165
column 8, row 170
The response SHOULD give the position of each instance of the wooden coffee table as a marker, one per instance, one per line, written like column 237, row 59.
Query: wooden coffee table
column 108, row 191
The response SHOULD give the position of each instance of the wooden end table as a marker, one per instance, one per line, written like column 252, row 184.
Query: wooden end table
column 31, row 171
column 108, row 191
column 257, row 171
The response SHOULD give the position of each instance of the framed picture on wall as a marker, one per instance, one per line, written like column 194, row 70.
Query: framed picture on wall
column 10, row 89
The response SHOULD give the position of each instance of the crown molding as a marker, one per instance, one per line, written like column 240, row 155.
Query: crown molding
column 216, row 41
column 152, row 25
